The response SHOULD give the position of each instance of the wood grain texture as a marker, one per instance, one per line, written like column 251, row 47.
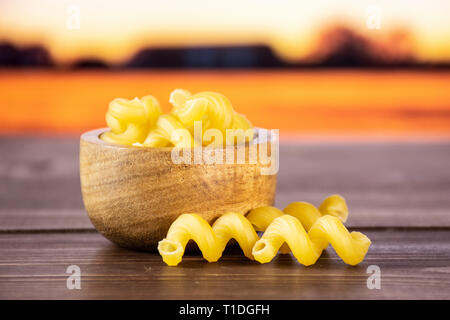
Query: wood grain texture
column 132, row 195
column 385, row 184
column 397, row 194
column 34, row 266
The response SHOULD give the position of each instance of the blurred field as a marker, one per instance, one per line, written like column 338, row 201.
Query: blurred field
column 301, row 103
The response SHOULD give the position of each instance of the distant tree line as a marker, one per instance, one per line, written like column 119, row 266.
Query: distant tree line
column 339, row 47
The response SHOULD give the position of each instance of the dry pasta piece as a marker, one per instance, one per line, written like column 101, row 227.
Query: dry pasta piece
column 308, row 246
column 183, row 229
column 335, row 205
column 169, row 131
column 307, row 213
column 241, row 122
column 304, row 211
column 300, row 227
column 236, row 226
column 214, row 110
column 131, row 120
column 139, row 122
column 262, row 217
column 210, row 240
column 241, row 128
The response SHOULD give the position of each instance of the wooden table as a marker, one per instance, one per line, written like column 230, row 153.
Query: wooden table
column 398, row 193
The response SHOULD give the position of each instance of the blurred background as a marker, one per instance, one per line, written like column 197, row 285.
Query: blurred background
column 347, row 69
column 360, row 90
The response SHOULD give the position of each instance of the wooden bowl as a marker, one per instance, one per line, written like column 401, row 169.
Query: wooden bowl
column 133, row 194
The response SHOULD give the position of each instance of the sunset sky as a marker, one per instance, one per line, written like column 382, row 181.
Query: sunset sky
column 114, row 30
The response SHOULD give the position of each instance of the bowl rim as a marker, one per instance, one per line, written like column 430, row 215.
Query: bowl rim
column 93, row 136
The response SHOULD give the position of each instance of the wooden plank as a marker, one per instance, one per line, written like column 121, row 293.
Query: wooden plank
column 39, row 173
column 386, row 184
column 33, row 266
column 44, row 220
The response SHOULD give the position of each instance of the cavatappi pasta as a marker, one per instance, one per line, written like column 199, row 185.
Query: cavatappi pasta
column 210, row 240
column 300, row 228
column 307, row 213
column 307, row 231
column 130, row 120
column 212, row 108
column 140, row 122
column 308, row 246
column 169, row 130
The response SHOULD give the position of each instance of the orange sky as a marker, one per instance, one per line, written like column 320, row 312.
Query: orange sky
column 114, row 30
column 306, row 103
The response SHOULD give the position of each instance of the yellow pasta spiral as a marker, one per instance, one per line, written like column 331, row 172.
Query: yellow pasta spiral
column 213, row 109
column 131, row 120
column 307, row 231
column 308, row 246
column 305, row 212
column 169, row 131
column 300, row 228
column 210, row 240
column 140, row 122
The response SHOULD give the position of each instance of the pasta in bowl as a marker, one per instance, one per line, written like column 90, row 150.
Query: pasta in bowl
column 144, row 171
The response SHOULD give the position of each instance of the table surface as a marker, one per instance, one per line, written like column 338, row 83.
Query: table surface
column 398, row 194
